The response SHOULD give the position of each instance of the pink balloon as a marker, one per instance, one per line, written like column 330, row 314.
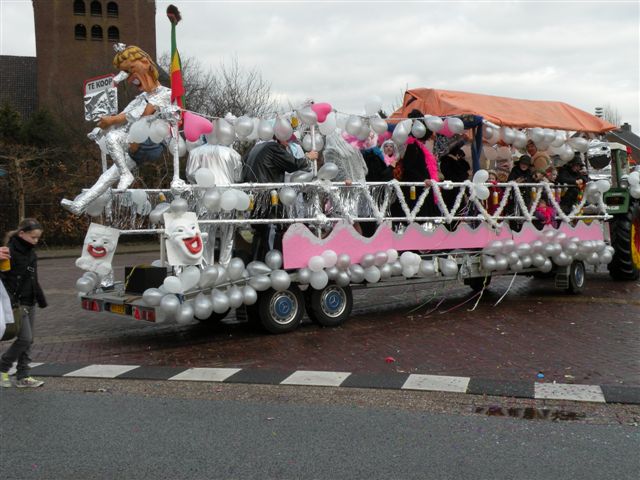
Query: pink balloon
column 322, row 110
column 195, row 125
column 445, row 129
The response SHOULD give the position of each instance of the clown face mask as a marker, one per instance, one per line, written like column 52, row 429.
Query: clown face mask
column 184, row 240
column 97, row 252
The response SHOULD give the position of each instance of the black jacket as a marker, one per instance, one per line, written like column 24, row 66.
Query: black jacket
column 567, row 177
column 21, row 281
column 267, row 163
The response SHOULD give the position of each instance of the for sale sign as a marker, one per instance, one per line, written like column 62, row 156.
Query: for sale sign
column 100, row 97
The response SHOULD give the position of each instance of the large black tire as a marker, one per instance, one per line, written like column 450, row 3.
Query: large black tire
column 331, row 306
column 478, row 283
column 281, row 312
column 577, row 275
column 625, row 239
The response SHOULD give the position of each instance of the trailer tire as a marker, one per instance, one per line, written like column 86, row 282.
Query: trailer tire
column 478, row 283
column 577, row 274
column 281, row 311
column 331, row 306
column 625, row 240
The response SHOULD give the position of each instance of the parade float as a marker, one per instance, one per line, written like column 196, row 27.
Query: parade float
column 204, row 224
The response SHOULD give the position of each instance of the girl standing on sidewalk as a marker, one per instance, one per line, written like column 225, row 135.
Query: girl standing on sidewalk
column 21, row 281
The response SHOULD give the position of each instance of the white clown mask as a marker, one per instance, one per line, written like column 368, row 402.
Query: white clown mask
column 184, row 239
column 99, row 247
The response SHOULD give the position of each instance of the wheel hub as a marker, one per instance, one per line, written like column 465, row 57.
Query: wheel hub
column 333, row 301
column 283, row 307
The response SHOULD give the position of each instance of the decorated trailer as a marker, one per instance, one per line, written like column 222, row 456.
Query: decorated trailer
column 423, row 232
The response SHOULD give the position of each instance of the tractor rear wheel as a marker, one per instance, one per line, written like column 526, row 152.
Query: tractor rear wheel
column 625, row 239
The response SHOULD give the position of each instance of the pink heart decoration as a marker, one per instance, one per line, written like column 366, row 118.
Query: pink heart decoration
column 322, row 110
column 195, row 125
column 445, row 129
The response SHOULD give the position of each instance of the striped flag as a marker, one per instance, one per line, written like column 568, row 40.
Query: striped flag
column 175, row 71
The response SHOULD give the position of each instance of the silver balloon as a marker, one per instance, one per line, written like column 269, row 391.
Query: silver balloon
column 185, row 313
column 319, row 280
column 244, row 127
column 202, row 306
column 386, row 271
column 260, row 283
column 488, row 263
column 223, row 277
column 169, row 305
column 513, row 257
column 156, row 215
column 448, row 267
column 546, row 266
column 249, row 295
column 258, row 268
column 378, row 125
column 418, row 129
column 273, row 259
column 548, row 250
column 501, row 262
column 308, row 116
column 426, row 268
column 409, row 271
column 357, row 273
column 353, row 125
column 517, row 266
column 92, row 276
column 368, row 260
column 606, row 257
column 211, row 199
column 562, row 259
column 343, row 279
column 332, row 272
column 84, row 285
column 265, row 130
column 434, row 124
column 523, row 249
column 304, row 276
column 236, row 298
column 508, row 246
column 220, row 301
column 235, row 269
column 328, row 171
column 381, row 258
column 301, row 176
column 225, row 133
column 396, row 268
column 593, row 258
column 537, row 246
column 280, row 280
column 343, row 261
column 526, row 261
column 179, row 206
column 152, row 297
column 208, row 277
column 537, row 260
column 493, row 248
column 283, row 129
column 372, row 274
column 287, row 196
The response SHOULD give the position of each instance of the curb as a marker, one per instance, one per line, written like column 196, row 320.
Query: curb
column 394, row 381
column 75, row 252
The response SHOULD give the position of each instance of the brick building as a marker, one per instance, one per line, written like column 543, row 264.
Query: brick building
column 74, row 42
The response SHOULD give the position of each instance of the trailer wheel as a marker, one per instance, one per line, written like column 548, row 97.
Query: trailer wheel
column 331, row 306
column 576, row 277
column 281, row 312
column 625, row 239
column 478, row 283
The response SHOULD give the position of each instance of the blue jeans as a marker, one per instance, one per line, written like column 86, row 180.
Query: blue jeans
column 20, row 349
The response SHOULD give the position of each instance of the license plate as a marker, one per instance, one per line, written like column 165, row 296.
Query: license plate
column 119, row 309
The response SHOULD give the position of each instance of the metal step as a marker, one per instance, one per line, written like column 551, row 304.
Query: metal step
column 562, row 281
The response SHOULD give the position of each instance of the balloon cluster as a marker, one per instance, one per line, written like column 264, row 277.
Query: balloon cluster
column 177, row 206
column 634, row 184
column 88, row 282
column 219, row 288
column 372, row 268
column 145, row 128
column 551, row 247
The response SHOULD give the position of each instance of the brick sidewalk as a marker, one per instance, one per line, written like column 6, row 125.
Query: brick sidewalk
column 592, row 338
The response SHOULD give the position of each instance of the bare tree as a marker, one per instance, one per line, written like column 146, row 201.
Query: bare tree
column 229, row 88
column 611, row 115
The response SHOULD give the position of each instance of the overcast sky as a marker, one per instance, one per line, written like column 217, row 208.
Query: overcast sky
column 585, row 53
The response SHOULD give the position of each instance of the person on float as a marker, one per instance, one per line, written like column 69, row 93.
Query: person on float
column 455, row 168
column 268, row 162
column 226, row 165
column 21, row 281
column 572, row 178
column 143, row 76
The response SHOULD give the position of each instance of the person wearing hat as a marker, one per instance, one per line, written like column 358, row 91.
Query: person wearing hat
column 521, row 171
column 571, row 176
column 454, row 167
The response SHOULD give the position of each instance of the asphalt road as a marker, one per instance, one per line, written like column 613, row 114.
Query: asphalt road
column 76, row 429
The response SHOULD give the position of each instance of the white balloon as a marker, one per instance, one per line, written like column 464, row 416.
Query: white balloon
column 283, row 129
column 208, row 277
column 205, row 178
column 242, row 201
column 481, row 176
column 357, row 273
column 328, row 171
column 158, row 130
column 235, row 269
column 152, row 297
column 236, row 298
column 372, row 274
column 182, row 146
column 169, row 305
column 202, row 306
column 392, row 255
column 330, row 258
column 434, row 124
column 367, row 260
column 225, row 133
column 179, row 206
column 244, row 127
column 316, row 263
column 139, row 131
column 343, row 261
column 173, row 284
column 520, row 139
column 418, row 129
column 211, row 199
column 228, row 200
column 455, row 125
column 280, row 280
column 273, row 259
column 189, row 277
column 265, row 130
column 287, row 196
column 220, row 301
column 448, row 267
column 319, row 280
column 249, row 295
column 603, row 185
column 482, row 191
column 353, row 125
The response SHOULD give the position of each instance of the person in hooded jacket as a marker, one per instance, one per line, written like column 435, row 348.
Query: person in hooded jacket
column 21, row 282
column 572, row 177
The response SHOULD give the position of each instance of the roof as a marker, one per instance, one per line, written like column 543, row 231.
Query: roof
column 503, row 111
column 627, row 138
column 19, row 83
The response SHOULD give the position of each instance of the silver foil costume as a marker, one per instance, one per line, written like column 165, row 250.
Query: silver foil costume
column 351, row 166
column 226, row 165
column 117, row 147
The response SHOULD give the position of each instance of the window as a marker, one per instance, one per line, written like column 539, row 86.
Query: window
column 113, row 34
column 96, row 9
column 112, row 9
column 80, row 32
column 96, row 32
column 78, row 8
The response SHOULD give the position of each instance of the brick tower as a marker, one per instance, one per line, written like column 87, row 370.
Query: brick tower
column 74, row 42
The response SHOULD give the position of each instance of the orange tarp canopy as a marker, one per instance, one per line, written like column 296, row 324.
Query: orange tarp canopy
column 503, row 111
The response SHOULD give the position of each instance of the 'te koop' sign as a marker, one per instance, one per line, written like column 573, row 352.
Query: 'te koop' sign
column 98, row 84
